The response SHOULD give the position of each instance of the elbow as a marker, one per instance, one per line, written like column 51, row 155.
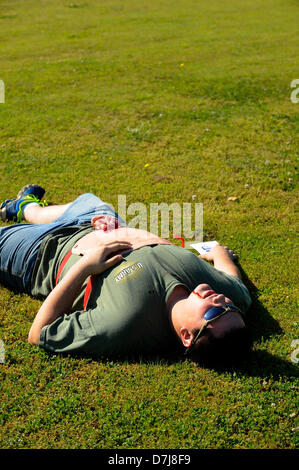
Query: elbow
column 33, row 338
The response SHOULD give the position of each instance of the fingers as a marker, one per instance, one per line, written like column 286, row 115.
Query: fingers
column 112, row 247
column 231, row 253
column 116, row 246
column 112, row 261
column 104, row 251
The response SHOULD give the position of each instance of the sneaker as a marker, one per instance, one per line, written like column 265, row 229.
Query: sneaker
column 11, row 209
column 34, row 189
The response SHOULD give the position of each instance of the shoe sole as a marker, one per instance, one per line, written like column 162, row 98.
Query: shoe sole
column 3, row 214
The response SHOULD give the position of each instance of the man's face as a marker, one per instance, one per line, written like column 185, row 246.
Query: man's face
column 205, row 298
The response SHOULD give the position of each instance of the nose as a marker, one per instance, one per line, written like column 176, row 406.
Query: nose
column 218, row 300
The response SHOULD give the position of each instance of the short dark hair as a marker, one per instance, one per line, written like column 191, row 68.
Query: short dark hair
column 227, row 350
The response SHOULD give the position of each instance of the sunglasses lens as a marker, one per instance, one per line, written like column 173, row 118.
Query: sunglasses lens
column 213, row 313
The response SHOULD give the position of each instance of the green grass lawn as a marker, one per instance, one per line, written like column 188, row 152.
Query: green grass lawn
column 161, row 100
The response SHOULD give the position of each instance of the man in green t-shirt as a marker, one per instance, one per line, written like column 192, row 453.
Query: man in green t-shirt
column 114, row 291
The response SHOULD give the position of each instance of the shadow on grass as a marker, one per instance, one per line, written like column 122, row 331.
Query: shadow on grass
column 258, row 363
column 262, row 326
column 260, row 323
column 265, row 365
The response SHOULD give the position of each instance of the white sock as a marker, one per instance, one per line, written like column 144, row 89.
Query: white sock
column 30, row 204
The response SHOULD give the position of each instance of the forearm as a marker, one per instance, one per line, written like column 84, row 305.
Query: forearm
column 223, row 262
column 60, row 300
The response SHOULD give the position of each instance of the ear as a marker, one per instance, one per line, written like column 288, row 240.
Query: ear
column 186, row 337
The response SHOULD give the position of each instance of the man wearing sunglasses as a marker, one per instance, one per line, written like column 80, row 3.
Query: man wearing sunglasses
column 114, row 291
column 208, row 323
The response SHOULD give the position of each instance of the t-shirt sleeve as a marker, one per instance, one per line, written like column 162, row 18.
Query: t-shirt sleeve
column 224, row 283
column 70, row 333
column 241, row 293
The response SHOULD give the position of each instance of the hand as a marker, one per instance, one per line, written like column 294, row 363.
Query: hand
column 104, row 222
column 219, row 250
column 100, row 259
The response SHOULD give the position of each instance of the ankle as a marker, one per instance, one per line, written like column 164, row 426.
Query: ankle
column 30, row 211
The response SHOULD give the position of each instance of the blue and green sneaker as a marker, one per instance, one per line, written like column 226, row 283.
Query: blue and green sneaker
column 12, row 209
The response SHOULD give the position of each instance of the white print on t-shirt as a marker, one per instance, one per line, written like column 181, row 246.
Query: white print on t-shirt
column 127, row 271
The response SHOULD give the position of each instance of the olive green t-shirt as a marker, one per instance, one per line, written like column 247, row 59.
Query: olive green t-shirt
column 126, row 312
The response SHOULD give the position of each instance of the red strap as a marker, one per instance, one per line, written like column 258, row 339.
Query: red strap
column 64, row 261
column 88, row 289
column 180, row 238
column 90, row 282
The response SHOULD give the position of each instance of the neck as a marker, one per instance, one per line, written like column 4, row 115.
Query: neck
column 175, row 307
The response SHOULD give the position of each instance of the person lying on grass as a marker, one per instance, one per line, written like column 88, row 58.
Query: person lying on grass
column 114, row 291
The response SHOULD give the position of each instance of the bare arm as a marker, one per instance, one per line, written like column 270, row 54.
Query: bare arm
column 223, row 259
column 61, row 299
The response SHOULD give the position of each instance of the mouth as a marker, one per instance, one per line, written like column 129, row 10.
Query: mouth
column 208, row 293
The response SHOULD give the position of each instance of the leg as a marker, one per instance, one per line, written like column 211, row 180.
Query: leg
column 19, row 244
column 35, row 214
column 27, row 206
